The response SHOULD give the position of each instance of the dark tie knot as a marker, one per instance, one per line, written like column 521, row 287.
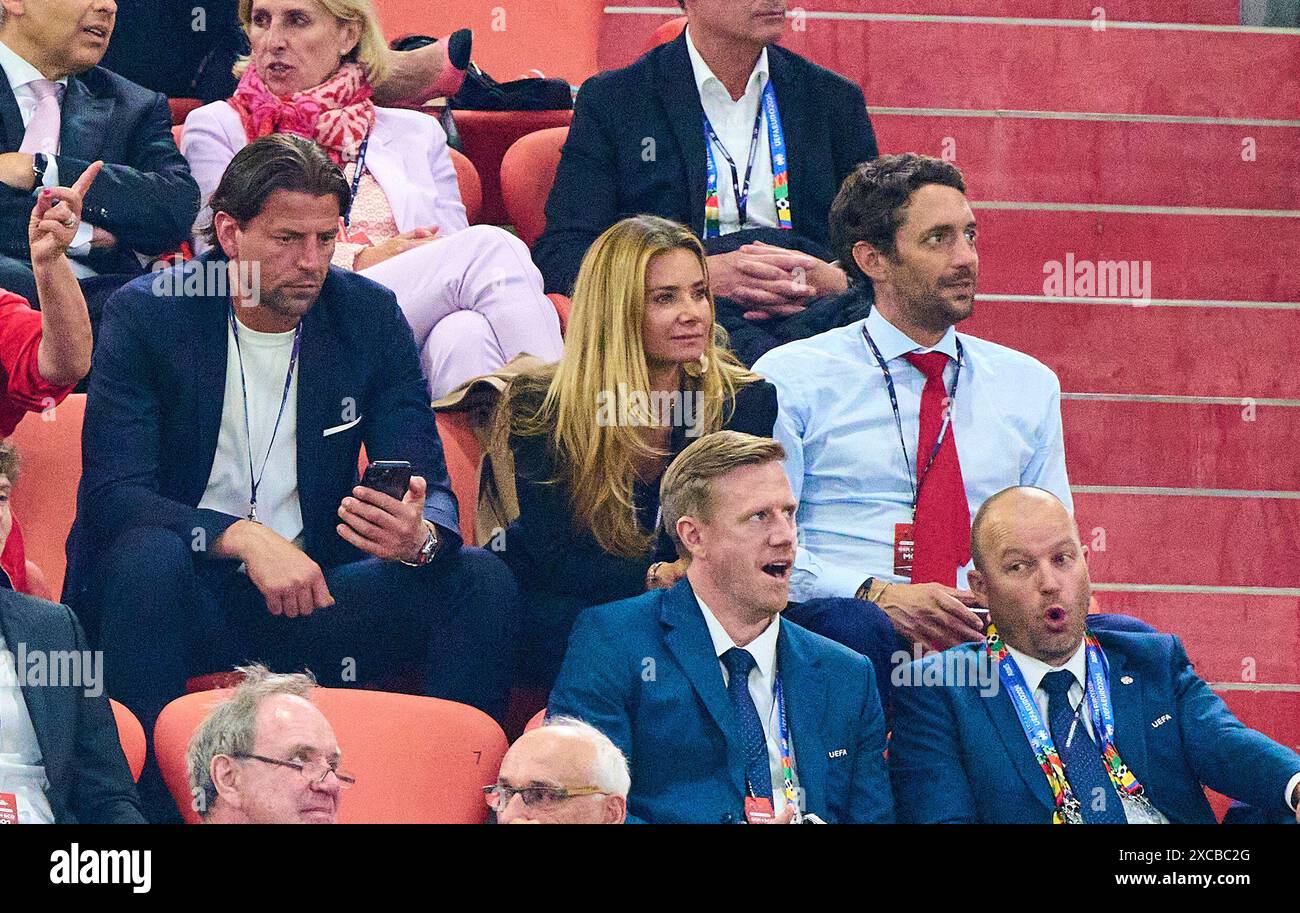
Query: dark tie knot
column 931, row 364
column 1057, row 684
column 738, row 662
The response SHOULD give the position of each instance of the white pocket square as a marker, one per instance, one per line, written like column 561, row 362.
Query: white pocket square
column 344, row 427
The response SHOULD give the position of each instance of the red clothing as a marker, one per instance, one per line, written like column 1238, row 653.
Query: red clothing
column 25, row 390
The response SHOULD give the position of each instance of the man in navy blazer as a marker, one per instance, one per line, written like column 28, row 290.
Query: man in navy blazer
column 60, row 729
column 638, row 144
column 144, row 201
column 655, row 673
column 959, row 752
column 217, row 518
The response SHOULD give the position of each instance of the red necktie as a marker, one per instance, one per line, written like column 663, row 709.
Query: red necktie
column 942, row 532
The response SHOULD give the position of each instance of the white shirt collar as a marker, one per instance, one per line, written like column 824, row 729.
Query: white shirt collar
column 762, row 647
column 19, row 71
column 1034, row 669
column 704, row 75
column 894, row 343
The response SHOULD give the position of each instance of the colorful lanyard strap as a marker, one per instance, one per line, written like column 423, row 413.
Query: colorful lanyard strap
column 787, row 756
column 921, row 476
column 1100, row 711
column 255, row 478
column 780, row 169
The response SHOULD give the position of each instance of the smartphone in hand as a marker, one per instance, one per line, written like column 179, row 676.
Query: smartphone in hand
column 392, row 477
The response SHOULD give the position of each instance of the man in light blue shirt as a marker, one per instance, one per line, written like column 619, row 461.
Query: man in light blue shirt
column 904, row 222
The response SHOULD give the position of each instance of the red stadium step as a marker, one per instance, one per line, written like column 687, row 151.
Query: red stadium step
column 1229, row 638
column 1192, row 256
column 1191, row 540
column 1035, row 67
column 1207, row 12
column 1062, row 68
column 1104, row 348
column 1199, row 446
column 1276, row 714
column 1071, row 161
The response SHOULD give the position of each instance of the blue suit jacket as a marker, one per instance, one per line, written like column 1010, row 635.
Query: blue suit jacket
column 604, row 174
column 644, row 672
column 90, row 782
column 959, row 757
column 153, row 415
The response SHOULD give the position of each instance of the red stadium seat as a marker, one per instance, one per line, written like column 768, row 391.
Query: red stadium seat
column 417, row 760
column 527, row 174
column 486, row 137
column 471, row 188
column 181, row 108
column 536, row 722
column 45, row 499
column 666, row 33
column 131, row 734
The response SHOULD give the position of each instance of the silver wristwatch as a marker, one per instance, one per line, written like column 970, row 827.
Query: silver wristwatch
column 429, row 549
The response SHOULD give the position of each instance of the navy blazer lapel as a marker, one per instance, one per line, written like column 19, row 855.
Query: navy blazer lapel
column 207, row 356
column 680, row 98
column 12, row 117
column 324, row 401
column 13, row 623
column 687, row 638
column 1002, row 714
column 805, row 688
column 86, row 120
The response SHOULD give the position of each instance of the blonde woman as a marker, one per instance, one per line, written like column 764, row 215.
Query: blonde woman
column 645, row 371
column 471, row 295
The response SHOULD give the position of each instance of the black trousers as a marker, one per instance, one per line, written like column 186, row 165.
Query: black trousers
column 165, row 616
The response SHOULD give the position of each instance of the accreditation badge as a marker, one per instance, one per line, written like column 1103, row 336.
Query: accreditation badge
column 8, row 808
column 904, row 549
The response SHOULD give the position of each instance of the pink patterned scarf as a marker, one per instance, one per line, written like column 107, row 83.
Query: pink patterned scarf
column 337, row 114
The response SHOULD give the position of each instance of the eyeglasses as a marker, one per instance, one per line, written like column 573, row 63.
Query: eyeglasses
column 498, row 795
column 314, row 772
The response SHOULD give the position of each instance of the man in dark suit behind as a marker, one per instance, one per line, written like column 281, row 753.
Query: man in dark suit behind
column 59, row 112
column 1020, row 731
column 55, row 723
column 639, row 144
column 725, row 711
column 218, row 518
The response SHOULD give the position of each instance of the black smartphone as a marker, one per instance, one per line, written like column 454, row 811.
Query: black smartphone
column 392, row 477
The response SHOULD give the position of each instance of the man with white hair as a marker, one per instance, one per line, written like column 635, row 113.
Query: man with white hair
column 566, row 772
column 267, row 755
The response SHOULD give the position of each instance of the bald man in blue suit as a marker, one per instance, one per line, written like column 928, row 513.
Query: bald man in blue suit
column 961, row 749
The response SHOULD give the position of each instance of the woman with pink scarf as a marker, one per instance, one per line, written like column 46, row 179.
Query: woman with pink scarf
column 471, row 295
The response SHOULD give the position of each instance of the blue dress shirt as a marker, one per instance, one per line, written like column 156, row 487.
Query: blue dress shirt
column 843, row 455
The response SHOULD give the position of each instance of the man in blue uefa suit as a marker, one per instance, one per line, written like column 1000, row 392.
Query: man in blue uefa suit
column 726, row 712
column 1126, row 732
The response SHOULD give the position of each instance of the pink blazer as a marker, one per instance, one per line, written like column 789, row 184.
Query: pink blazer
column 407, row 155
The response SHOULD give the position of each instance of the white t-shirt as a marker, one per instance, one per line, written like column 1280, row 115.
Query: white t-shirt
column 266, row 361
column 22, row 767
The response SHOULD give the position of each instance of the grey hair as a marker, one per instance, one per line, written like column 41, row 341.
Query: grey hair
column 230, row 728
column 609, row 772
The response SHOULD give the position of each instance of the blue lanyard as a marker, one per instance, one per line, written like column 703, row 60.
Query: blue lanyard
column 787, row 756
column 356, row 179
column 255, row 479
column 776, row 140
column 898, row 416
column 1096, row 700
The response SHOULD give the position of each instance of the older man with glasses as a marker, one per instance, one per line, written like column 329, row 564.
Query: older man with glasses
column 565, row 772
column 267, row 756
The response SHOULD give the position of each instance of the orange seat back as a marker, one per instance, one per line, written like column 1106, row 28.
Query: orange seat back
column 45, row 499
column 665, row 33
column 417, row 760
column 536, row 722
column 471, row 188
column 527, row 174
column 131, row 734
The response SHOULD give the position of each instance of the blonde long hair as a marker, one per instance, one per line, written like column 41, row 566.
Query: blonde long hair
column 371, row 50
column 603, row 352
